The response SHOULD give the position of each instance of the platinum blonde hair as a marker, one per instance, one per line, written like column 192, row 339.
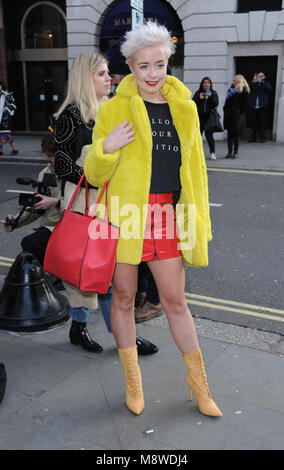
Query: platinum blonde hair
column 241, row 84
column 81, row 89
column 148, row 34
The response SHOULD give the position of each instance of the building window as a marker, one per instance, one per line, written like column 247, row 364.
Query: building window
column 45, row 27
column 244, row 6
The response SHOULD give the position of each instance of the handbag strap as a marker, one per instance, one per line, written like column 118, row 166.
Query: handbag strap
column 75, row 194
column 104, row 189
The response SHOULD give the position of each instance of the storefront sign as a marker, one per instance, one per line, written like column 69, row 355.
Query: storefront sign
column 137, row 13
column 137, row 19
column 137, row 5
column 119, row 19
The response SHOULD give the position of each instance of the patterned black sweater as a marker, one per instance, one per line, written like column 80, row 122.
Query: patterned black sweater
column 70, row 135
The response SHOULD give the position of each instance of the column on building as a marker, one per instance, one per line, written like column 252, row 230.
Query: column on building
column 84, row 18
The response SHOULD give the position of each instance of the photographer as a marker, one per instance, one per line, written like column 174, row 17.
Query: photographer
column 258, row 103
column 48, row 209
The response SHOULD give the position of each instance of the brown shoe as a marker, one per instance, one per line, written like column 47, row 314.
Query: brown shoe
column 140, row 299
column 147, row 311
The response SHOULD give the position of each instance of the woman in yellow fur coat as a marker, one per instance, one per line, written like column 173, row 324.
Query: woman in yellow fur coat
column 147, row 142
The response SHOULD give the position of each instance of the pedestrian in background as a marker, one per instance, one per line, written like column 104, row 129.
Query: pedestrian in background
column 7, row 110
column 88, row 86
column 206, row 100
column 236, row 105
column 258, row 103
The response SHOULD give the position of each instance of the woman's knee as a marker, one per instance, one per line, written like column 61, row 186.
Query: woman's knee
column 123, row 298
column 124, row 287
column 174, row 305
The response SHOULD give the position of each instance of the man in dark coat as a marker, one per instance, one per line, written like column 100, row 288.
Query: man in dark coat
column 258, row 103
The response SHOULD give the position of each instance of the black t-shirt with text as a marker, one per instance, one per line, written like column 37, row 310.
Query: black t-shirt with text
column 166, row 156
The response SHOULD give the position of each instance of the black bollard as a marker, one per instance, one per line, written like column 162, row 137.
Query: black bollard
column 28, row 301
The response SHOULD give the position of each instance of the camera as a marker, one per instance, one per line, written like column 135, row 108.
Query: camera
column 30, row 199
column 42, row 187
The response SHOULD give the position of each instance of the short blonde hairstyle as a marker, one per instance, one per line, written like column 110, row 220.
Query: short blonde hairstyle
column 81, row 89
column 148, row 34
column 241, row 84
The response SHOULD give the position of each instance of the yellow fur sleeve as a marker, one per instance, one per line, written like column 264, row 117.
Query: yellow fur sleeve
column 99, row 166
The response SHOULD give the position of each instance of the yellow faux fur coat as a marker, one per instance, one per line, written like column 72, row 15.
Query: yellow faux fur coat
column 129, row 171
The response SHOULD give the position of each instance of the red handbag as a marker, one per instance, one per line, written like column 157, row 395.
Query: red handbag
column 82, row 248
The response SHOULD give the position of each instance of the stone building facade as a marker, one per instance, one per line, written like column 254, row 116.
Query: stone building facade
column 219, row 40
column 215, row 36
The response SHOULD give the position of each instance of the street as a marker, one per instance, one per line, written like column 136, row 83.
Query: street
column 243, row 284
column 246, row 254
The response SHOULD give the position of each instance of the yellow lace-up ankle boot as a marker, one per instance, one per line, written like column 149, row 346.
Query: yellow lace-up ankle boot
column 197, row 383
column 133, row 378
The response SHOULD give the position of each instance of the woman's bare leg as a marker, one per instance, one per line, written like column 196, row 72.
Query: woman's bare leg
column 124, row 287
column 169, row 276
column 170, row 279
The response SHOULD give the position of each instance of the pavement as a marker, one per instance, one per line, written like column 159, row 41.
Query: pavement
column 268, row 156
column 60, row 397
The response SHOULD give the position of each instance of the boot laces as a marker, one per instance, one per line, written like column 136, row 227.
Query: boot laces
column 133, row 378
column 198, row 375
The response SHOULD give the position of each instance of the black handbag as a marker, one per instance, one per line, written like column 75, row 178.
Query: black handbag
column 214, row 124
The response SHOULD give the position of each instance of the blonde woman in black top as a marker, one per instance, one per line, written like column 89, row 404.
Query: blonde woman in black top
column 88, row 86
column 236, row 104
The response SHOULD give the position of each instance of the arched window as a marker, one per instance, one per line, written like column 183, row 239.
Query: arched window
column 45, row 27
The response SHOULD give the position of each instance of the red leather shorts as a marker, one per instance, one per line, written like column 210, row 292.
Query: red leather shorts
column 160, row 236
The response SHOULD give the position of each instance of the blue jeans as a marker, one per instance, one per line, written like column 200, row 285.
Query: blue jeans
column 81, row 314
column 105, row 304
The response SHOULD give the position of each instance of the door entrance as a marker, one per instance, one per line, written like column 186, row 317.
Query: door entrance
column 46, row 82
column 248, row 66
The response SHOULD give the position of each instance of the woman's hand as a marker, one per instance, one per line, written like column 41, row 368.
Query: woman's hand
column 121, row 135
column 45, row 203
